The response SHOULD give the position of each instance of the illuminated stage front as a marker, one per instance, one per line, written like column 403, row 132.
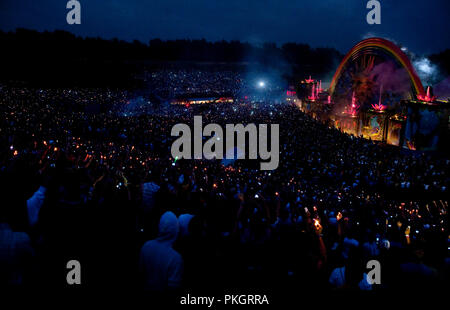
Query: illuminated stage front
column 364, row 101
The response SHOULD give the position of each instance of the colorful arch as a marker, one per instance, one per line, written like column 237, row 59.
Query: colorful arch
column 390, row 48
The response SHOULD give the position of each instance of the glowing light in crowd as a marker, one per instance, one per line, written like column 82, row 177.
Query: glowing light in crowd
column 317, row 225
column 261, row 84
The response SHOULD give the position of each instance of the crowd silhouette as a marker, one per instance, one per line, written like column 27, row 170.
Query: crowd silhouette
column 97, row 185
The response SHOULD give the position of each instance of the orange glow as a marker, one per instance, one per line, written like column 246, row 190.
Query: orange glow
column 316, row 223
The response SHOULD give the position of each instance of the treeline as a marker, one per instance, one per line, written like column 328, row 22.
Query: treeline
column 60, row 58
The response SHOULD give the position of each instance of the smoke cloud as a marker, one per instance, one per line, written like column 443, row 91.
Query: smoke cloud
column 392, row 78
column 426, row 70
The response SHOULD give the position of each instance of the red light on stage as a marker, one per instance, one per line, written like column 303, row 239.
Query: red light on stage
column 428, row 97
column 378, row 107
column 314, row 94
column 290, row 93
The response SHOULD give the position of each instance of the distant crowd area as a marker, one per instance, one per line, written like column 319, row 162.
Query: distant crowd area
column 99, row 185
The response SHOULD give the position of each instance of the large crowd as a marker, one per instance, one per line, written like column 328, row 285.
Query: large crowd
column 187, row 82
column 95, row 185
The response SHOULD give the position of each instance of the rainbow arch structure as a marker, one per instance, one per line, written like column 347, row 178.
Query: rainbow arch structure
column 386, row 46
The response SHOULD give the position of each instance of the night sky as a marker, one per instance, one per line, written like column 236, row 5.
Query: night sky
column 420, row 25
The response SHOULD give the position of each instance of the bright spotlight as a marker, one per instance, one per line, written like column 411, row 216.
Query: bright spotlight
column 261, row 84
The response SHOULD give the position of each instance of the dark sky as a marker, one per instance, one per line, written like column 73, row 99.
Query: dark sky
column 420, row 25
